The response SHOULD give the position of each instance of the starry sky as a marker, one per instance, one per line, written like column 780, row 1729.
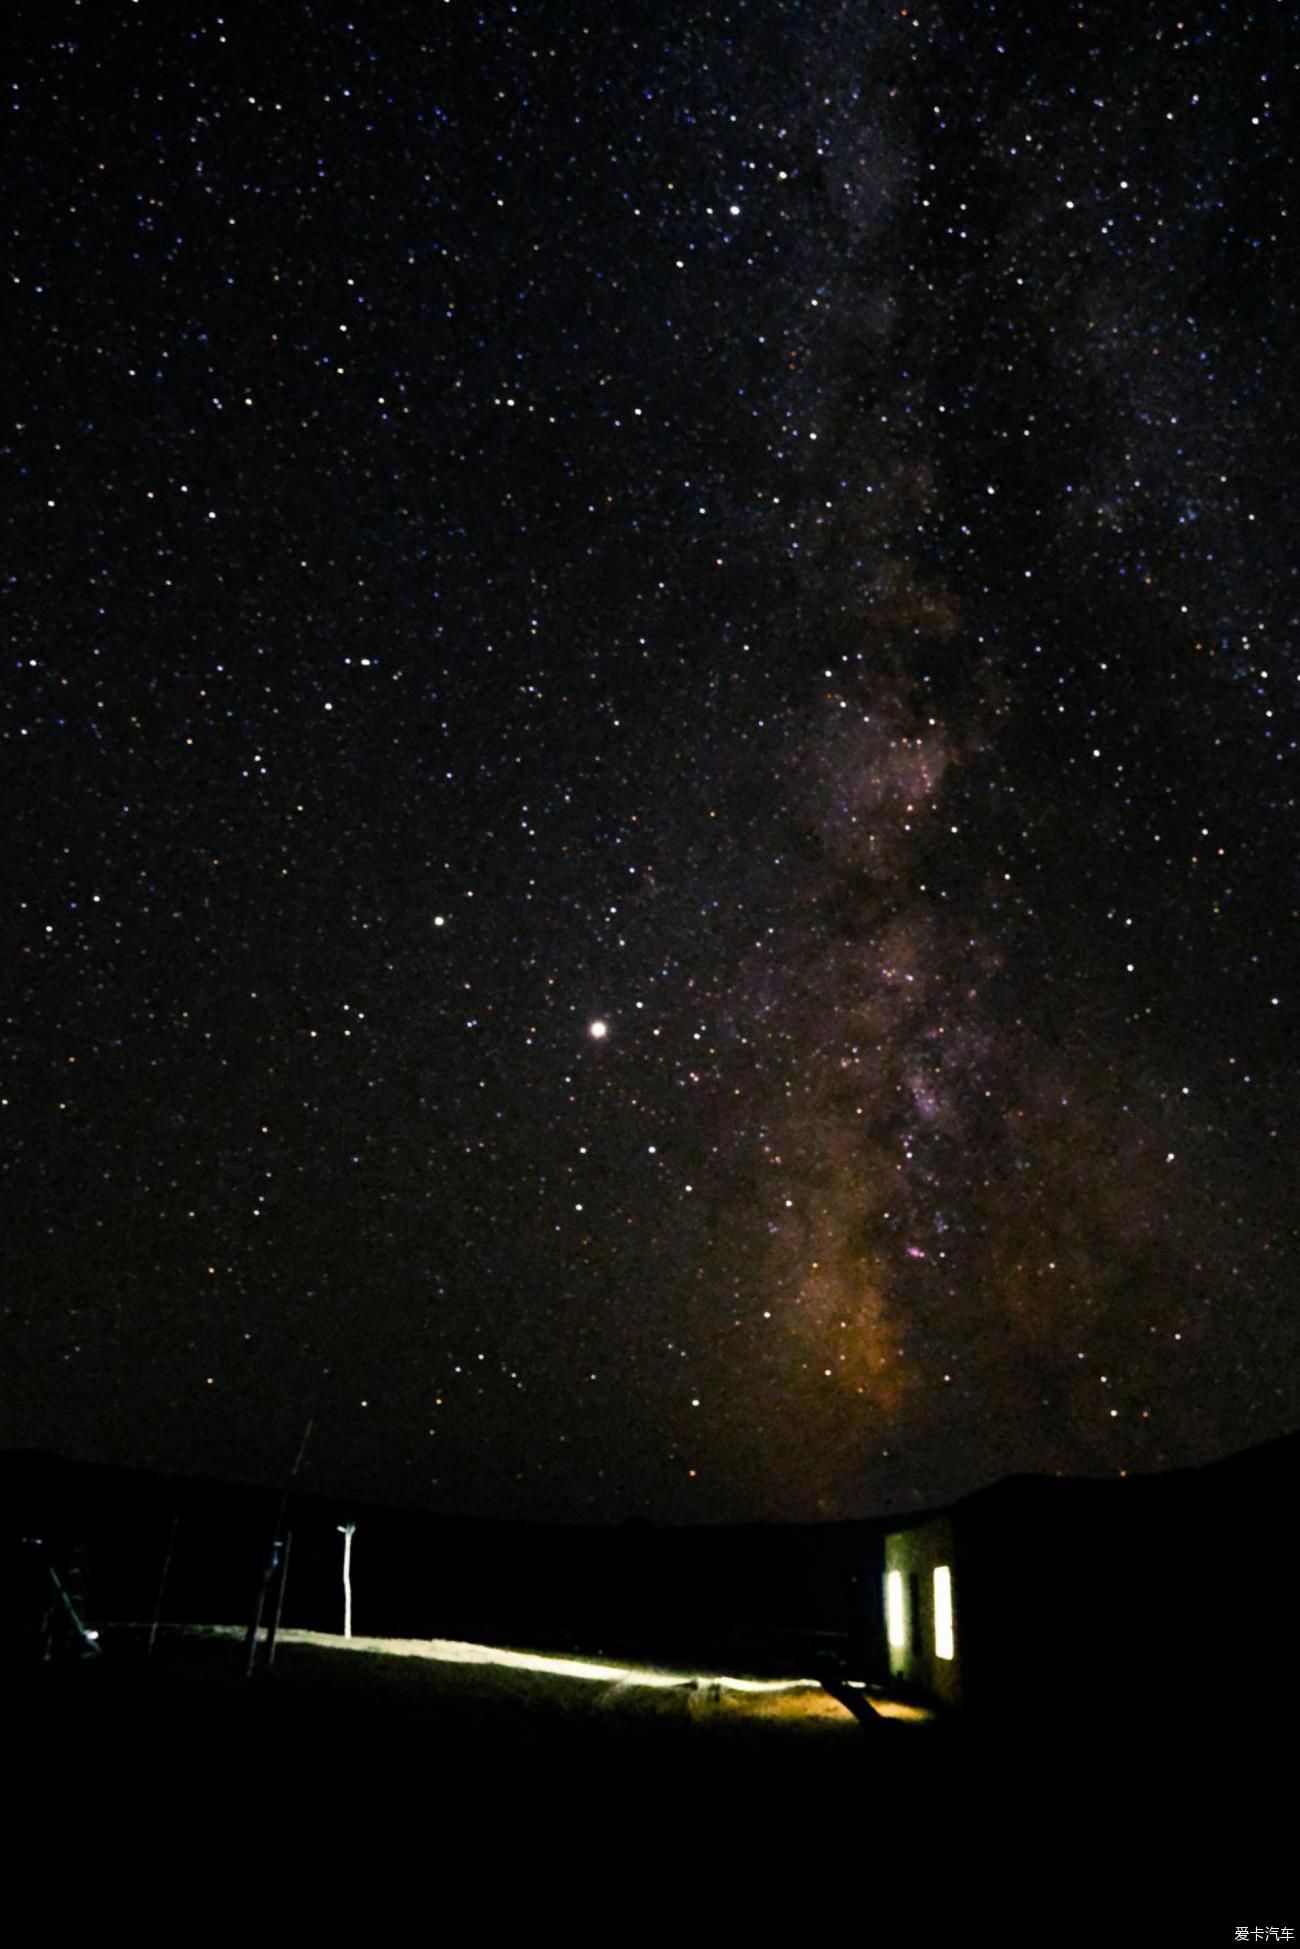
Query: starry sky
column 649, row 746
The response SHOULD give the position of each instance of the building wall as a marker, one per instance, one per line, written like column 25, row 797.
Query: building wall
column 914, row 1555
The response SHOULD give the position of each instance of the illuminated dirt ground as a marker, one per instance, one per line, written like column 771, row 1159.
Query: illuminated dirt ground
column 705, row 1695
column 498, row 1693
column 701, row 1695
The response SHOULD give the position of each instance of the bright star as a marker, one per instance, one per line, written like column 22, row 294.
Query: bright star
column 598, row 1031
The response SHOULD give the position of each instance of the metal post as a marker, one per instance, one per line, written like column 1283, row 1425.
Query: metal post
column 347, row 1531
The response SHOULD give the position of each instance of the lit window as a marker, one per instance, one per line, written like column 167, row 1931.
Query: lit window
column 895, row 1622
column 943, row 1642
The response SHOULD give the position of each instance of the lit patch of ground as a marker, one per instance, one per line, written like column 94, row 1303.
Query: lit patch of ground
column 704, row 1694
column 784, row 1701
column 913, row 1715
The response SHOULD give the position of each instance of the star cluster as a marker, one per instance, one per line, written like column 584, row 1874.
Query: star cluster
column 650, row 747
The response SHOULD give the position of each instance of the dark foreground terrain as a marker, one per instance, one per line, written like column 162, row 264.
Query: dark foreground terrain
column 352, row 1782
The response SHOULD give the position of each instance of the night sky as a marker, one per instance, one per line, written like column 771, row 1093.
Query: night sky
column 649, row 747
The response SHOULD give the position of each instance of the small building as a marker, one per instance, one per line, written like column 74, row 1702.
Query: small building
column 1049, row 1589
column 920, row 1613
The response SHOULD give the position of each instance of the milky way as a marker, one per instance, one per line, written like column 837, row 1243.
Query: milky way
column 650, row 749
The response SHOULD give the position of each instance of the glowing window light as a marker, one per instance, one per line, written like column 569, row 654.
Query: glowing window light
column 896, row 1623
column 943, row 1639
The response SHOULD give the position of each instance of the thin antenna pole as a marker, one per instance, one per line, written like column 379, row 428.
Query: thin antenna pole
column 162, row 1582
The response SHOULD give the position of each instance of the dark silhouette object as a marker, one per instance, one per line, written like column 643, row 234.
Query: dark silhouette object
column 274, row 1632
column 270, row 1568
column 162, row 1583
column 274, row 1562
column 40, row 1620
column 853, row 1697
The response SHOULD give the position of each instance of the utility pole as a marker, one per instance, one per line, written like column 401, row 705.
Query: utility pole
column 347, row 1531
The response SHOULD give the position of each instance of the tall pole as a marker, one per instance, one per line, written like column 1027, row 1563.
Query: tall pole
column 273, row 1560
column 347, row 1531
column 162, row 1582
column 274, row 1631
